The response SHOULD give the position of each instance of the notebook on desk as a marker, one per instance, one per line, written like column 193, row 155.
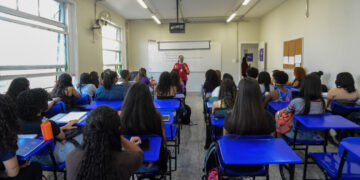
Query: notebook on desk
column 26, row 146
column 27, row 136
column 70, row 116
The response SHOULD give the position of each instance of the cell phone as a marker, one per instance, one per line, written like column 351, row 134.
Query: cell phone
column 145, row 144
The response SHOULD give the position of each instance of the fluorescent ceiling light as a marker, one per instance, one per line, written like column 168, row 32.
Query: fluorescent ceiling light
column 142, row 4
column 246, row 2
column 231, row 17
column 156, row 19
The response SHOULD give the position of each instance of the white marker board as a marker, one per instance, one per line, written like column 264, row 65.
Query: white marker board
column 198, row 60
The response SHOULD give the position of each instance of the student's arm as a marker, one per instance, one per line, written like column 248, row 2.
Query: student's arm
column 12, row 168
column 269, row 97
column 68, row 126
column 225, row 132
column 75, row 93
column 51, row 104
column 214, row 106
column 186, row 68
column 163, row 131
column 296, row 83
column 130, row 146
column 330, row 97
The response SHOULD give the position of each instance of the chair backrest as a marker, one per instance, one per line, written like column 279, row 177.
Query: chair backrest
column 350, row 157
column 221, row 112
column 57, row 108
column 343, row 107
column 85, row 99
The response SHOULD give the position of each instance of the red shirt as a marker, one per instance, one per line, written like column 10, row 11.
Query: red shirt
column 182, row 71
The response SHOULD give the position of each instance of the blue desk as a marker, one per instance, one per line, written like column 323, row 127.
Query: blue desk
column 114, row 104
column 275, row 106
column 325, row 122
column 82, row 120
column 172, row 118
column 151, row 155
column 29, row 147
column 352, row 145
column 237, row 150
column 170, row 104
column 219, row 122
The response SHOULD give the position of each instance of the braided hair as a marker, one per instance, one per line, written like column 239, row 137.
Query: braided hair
column 101, row 137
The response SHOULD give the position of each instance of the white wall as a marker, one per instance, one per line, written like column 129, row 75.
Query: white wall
column 89, row 51
column 331, row 35
column 140, row 32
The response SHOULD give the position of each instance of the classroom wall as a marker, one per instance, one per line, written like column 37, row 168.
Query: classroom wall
column 331, row 36
column 90, row 51
column 141, row 31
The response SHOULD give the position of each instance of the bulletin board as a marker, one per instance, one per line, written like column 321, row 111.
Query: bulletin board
column 293, row 54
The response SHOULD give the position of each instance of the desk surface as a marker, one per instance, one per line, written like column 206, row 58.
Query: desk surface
column 237, row 150
column 153, row 153
column 352, row 145
column 29, row 147
column 114, row 104
column 274, row 106
column 167, row 104
column 82, row 120
column 219, row 122
column 323, row 122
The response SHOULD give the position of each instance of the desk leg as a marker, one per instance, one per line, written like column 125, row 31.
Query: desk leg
column 342, row 162
column 295, row 134
column 53, row 160
column 306, row 161
column 292, row 171
column 325, row 139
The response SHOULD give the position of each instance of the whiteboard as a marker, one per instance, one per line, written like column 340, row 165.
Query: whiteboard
column 197, row 60
column 183, row 45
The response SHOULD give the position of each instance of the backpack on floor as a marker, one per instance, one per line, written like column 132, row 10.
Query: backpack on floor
column 186, row 114
column 210, row 161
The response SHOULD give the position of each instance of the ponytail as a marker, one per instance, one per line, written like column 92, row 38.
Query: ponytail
column 109, row 78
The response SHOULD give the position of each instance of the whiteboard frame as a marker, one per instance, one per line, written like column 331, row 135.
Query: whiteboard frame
column 209, row 42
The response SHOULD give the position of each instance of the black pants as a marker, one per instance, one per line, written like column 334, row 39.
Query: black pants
column 31, row 172
column 185, row 87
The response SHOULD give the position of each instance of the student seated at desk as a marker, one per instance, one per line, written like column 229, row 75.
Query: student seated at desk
column 17, row 86
column 65, row 90
column 252, row 72
column 165, row 88
column 227, row 95
column 323, row 87
column 94, row 78
column 211, row 81
column 345, row 89
column 248, row 117
column 176, row 80
column 218, row 72
column 30, row 104
column 264, row 81
column 9, row 165
column 142, row 77
column 125, row 76
column 310, row 101
column 85, row 86
column 139, row 117
column 101, row 156
column 299, row 74
column 215, row 93
column 280, row 93
column 110, row 91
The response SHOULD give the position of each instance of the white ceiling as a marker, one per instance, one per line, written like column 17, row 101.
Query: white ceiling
column 192, row 9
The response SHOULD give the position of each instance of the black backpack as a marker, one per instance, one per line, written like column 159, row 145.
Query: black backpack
column 186, row 114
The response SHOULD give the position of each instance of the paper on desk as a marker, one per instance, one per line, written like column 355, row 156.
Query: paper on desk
column 71, row 116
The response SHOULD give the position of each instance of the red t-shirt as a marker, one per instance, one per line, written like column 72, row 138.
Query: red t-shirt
column 181, row 69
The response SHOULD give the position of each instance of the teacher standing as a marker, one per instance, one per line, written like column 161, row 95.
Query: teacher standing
column 183, row 70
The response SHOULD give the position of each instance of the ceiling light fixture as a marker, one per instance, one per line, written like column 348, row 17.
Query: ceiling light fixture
column 142, row 4
column 156, row 19
column 246, row 2
column 231, row 17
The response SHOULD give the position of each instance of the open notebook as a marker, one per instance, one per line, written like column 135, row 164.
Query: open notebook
column 71, row 116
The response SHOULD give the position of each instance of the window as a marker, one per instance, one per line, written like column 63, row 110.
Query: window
column 34, row 41
column 111, row 45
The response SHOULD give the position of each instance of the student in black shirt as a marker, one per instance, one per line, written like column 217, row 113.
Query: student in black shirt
column 9, row 165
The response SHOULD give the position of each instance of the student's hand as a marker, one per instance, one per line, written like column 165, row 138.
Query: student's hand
column 27, row 163
column 70, row 125
column 136, row 140
column 55, row 100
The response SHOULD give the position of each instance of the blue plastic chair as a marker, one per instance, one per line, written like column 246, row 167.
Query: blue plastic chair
column 342, row 165
column 343, row 110
column 57, row 108
column 172, row 140
column 85, row 99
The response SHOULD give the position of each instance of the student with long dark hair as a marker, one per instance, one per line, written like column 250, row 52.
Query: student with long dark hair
column 101, row 156
column 165, row 88
column 211, row 81
column 176, row 80
column 227, row 95
column 310, row 101
column 94, row 78
column 248, row 117
column 345, row 89
column 17, row 86
column 215, row 93
column 139, row 117
column 280, row 93
column 265, row 82
column 85, row 86
column 65, row 90
column 110, row 91
column 9, row 165
column 29, row 106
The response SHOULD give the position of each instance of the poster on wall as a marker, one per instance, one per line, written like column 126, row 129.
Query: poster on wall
column 261, row 54
column 249, row 56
